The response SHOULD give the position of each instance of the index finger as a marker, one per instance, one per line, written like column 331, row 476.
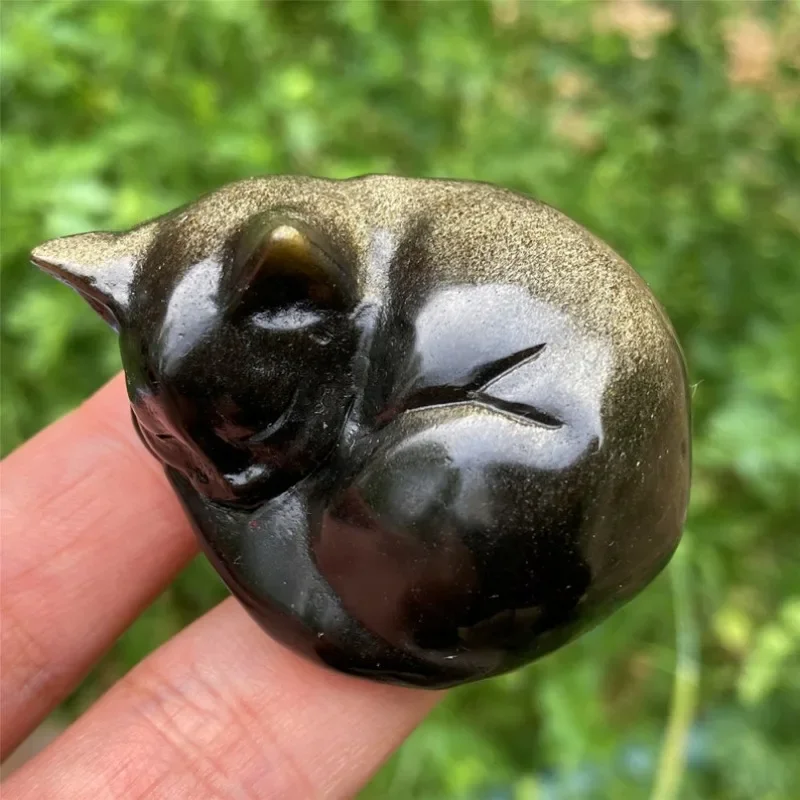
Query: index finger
column 91, row 532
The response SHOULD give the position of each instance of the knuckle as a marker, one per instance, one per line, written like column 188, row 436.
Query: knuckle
column 29, row 674
column 210, row 739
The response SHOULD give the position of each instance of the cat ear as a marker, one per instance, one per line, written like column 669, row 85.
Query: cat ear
column 280, row 261
column 96, row 266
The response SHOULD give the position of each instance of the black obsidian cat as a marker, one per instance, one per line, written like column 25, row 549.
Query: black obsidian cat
column 426, row 430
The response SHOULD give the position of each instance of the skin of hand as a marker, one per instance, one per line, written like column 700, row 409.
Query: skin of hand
column 91, row 534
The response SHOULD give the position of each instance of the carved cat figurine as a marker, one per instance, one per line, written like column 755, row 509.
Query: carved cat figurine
column 426, row 430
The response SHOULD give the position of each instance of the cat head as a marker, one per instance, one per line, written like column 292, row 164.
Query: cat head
column 236, row 336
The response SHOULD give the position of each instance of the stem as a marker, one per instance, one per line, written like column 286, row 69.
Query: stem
column 672, row 762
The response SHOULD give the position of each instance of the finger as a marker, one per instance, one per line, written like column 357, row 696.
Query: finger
column 90, row 534
column 222, row 711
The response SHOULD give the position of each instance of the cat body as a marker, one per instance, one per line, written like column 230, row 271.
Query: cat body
column 426, row 430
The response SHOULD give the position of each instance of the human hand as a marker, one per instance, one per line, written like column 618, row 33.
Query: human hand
column 91, row 533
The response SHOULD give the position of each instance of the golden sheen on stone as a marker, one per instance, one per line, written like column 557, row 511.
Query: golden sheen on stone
column 426, row 430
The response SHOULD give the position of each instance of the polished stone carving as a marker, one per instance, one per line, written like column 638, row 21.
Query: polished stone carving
column 426, row 431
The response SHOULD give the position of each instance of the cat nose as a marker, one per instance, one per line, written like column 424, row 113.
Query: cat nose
column 245, row 480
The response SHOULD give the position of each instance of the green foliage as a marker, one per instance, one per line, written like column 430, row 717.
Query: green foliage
column 671, row 131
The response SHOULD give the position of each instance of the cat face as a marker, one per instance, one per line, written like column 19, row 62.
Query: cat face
column 237, row 359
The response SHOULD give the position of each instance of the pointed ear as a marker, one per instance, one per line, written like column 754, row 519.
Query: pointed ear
column 282, row 260
column 95, row 266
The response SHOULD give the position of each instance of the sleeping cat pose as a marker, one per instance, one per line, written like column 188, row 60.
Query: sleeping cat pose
column 426, row 430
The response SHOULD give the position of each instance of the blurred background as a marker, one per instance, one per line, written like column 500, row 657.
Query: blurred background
column 671, row 130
